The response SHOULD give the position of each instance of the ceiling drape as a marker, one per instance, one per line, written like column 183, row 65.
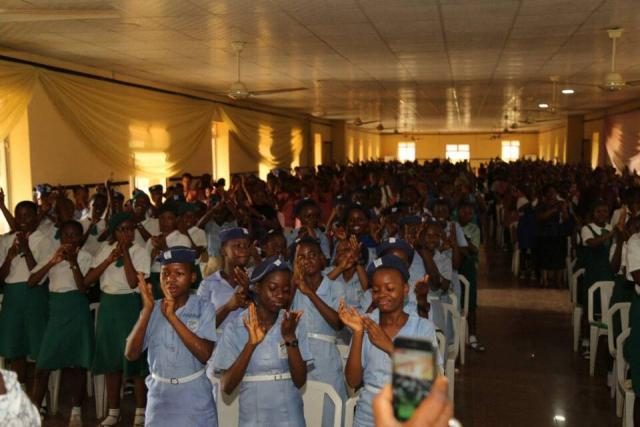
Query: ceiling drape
column 116, row 121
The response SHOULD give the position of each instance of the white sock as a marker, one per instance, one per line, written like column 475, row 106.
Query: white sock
column 114, row 412
column 140, row 411
column 76, row 410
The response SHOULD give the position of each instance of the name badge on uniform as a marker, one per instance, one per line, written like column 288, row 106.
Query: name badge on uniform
column 192, row 324
column 282, row 351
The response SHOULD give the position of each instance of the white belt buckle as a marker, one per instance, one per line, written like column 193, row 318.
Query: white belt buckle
column 278, row 377
column 174, row 381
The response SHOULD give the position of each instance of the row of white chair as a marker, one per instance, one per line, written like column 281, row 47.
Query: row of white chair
column 604, row 327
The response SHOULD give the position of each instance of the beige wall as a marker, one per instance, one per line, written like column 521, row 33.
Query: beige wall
column 20, row 184
column 361, row 144
column 552, row 144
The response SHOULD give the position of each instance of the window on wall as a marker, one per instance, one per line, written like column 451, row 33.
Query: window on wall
column 457, row 152
column 510, row 151
column 406, row 151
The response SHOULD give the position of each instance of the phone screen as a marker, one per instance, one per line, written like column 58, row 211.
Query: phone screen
column 413, row 375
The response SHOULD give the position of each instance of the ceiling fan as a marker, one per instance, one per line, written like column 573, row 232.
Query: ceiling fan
column 613, row 80
column 40, row 14
column 358, row 122
column 238, row 89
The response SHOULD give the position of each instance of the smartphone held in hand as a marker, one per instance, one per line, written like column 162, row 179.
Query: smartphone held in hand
column 413, row 374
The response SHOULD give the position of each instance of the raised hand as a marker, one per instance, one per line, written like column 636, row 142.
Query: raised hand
column 350, row 317
column 168, row 305
column 22, row 240
column 241, row 277
column 251, row 323
column 298, row 277
column 146, row 293
column 115, row 254
column 239, row 299
column 377, row 336
column 1, row 196
column 59, row 255
column 289, row 325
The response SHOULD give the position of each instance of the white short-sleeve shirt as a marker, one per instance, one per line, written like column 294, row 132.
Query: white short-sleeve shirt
column 586, row 233
column 61, row 276
column 113, row 279
column 42, row 248
column 152, row 226
column 633, row 255
column 92, row 245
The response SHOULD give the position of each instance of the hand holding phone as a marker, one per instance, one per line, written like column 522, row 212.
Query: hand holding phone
column 414, row 371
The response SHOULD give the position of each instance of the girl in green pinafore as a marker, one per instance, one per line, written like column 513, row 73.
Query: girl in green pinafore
column 623, row 290
column 116, row 266
column 23, row 317
column 68, row 338
column 596, row 239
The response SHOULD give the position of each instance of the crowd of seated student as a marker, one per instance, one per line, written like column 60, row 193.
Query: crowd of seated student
column 274, row 274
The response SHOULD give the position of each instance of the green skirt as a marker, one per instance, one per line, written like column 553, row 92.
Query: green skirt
column 23, row 319
column 116, row 317
column 68, row 339
column 632, row 345
column 469, row 269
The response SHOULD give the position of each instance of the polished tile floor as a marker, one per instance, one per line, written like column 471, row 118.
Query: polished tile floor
column 529, row 373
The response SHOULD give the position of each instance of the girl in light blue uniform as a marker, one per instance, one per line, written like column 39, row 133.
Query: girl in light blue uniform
column 318, row 298
column 265, row 351
column 224, row 288
column 179, row 332
column 307, row 212
column 369, row 362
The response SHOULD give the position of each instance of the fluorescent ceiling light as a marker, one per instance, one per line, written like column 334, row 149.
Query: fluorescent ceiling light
column 543, row 105
column 559, row 418
column 568, row 91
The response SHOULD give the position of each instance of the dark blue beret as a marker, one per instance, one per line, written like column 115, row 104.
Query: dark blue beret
column 177, row 255
column 157, row 187
column 233, row 233
column 389, row 261
column 395, row 243
column 269, row 265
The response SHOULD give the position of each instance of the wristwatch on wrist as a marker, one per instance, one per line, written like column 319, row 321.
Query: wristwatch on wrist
column 292, row 344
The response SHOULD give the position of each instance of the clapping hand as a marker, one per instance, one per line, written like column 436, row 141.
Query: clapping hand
column 146, row 293
column 251, row 323
column 350, row 317
column 289, row 325
column 377, row 336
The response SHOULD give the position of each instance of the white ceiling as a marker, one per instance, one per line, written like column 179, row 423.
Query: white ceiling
column 421, row 65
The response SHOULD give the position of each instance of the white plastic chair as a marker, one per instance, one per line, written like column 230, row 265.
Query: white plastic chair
column 500, row 225
column 623, row 385
column 515, row 261
column 598, row 328
column 343, row 349
column 576, row 317
column 451, row 311
column 570, row 264
column 313, row 396
column 623, row 309
column 350, row 410
column 464, row 312
column 228, row 404
column 442, row 347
